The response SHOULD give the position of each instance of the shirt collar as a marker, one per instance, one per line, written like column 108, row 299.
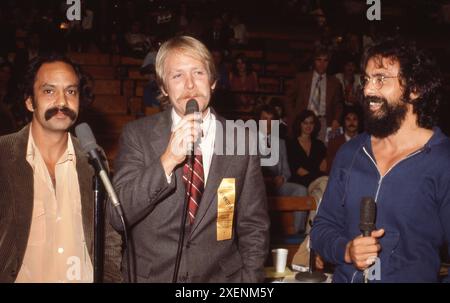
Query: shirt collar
column 316, row 75
column 68, row 155
column 205, row 122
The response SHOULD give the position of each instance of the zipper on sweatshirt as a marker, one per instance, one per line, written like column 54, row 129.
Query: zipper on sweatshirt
column 380, row 180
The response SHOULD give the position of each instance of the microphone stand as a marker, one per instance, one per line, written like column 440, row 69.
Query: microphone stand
column 99, row 198
column 183, row 222
column 311, row 276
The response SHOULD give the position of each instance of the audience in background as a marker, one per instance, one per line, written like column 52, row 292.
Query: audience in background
column 306, row 153
column 352, row 126
column 318, row 92
column 276, row 176
column 243, row 79
column 350, row 81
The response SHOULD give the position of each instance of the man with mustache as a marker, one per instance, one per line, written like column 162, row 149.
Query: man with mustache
column 46, row 196
column 402, row 161
column 226, row 231
column 351, row 123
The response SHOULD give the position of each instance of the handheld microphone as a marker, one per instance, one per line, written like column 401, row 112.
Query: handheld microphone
column 191, row 107
column 90, row 147
column 367, row 215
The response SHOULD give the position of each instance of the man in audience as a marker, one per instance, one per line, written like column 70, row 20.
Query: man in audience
column 318, row 92
column 351, row 124
column 276, row 176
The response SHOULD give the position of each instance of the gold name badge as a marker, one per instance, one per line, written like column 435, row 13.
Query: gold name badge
column 226, row 195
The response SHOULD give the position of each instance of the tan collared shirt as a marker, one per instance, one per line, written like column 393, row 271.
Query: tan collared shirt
column 56, row 249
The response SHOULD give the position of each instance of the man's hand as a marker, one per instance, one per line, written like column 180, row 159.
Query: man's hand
column 184, row 135
column 362, row 251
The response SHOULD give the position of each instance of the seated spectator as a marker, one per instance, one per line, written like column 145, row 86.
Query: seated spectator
column 306, row 153
column 352, row 126
column 350, row 81
column 279, row 107
column 137, row 42
column 243, row 79
column 276, row 176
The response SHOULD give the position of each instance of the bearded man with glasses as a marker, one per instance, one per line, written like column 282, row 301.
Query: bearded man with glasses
column 402, row 161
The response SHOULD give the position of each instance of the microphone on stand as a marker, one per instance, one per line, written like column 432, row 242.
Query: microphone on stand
column 367, row 216
column 90, row 147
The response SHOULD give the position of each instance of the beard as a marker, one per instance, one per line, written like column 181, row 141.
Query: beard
column 387, row 120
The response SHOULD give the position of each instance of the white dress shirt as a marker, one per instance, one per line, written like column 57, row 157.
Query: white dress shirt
column 206, row 142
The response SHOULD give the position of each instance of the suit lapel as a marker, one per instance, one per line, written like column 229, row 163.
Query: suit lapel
column 217, row 171
column 23, row 184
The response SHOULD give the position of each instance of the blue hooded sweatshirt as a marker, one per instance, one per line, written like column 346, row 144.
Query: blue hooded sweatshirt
column 413, row 207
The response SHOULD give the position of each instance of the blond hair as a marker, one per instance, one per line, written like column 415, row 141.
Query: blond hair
column 188, row 46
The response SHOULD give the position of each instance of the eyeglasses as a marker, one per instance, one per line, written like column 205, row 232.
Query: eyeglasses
column 378, row 80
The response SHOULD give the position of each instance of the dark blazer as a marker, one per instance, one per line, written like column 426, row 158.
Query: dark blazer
column 153, row 208
column 16, row 208
column 298, row 97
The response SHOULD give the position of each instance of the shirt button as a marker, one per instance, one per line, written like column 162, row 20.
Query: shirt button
column 60, row 250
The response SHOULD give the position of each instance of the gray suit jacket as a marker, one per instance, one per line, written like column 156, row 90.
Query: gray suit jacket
column 153, row 209
column 16, row 208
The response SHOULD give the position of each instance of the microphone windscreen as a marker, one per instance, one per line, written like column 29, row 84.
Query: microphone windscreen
column 191, row 107
column 86, row 137
column 367, row 213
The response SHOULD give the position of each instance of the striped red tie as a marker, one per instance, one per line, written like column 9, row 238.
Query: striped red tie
column 195, row 189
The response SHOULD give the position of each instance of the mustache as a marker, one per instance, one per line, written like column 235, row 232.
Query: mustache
column 50, row 113
column 195, row 96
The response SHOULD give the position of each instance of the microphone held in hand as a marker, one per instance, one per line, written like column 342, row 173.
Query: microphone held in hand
column 367, row 212
column 191, row 107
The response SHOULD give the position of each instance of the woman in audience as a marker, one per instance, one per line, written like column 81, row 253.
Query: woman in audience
column 243, row 79
column 306, row 153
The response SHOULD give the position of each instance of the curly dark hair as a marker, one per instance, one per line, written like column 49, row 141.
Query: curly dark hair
column 418, row 74
column 84, row 84
column 296, row 127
